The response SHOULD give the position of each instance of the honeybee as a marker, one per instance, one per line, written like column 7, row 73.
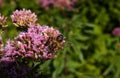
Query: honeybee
column 54, row 43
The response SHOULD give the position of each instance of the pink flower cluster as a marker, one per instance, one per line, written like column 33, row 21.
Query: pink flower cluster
column 62, row 4
column 116, row 31
column 2, row 3
column 23, row 18
column 3, row 21
column 35, row 44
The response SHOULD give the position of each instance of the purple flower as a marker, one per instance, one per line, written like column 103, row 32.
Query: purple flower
column 61, row 4
column 23, row 18
column 45, row 3
column 8, row 52
column 39, row 42
column 2, row 3
column 3, row 21
column 31, row 43
column 5, row 60
column 116, row 31
column 9, row 48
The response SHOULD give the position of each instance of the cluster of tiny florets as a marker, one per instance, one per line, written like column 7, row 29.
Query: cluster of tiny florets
column 3, row 21
column 116, row 31
column 37, row 43
column 2, row 3
column 23, row 18
column 62, row 4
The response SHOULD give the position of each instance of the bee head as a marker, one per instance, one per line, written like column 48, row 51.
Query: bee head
column 60, row 38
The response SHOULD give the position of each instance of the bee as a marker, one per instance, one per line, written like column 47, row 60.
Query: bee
column 54, row 43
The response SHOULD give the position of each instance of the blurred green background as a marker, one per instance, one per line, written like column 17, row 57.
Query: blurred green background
column 91, row 50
